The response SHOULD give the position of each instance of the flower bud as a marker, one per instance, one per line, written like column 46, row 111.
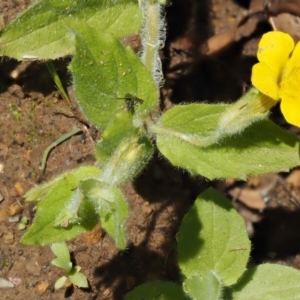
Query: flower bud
column 128, row 160
column 252, row 107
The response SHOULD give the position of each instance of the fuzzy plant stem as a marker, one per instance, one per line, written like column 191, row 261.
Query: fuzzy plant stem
column 153, row 37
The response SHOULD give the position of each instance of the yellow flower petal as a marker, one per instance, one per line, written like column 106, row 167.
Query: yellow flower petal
column 290, row 79
column 290, row 108
column 289, row 86
column 265, row 80
column 274, row 50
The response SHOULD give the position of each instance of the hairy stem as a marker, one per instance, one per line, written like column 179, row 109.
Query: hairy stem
column 153, row 37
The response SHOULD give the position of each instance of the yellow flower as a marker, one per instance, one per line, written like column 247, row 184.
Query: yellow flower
column 277, row 74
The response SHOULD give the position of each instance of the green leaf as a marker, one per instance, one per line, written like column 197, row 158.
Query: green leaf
column 78, row 278
column 60, row 282
column 157, row 290
column 194, row 123
column 70, row 213
column 261, row 148
column 63, row 256
column 213, row 239
column 42, row 31
column 54, row 196
column 119, row 128
column 112, row 208
column 41, row 191
column 268, row 282
column 103, row 72
column 203, row 286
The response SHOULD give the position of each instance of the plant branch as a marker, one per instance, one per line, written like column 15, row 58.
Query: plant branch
column 153, row 37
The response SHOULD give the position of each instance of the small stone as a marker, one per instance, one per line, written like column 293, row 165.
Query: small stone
column 8, row 237
column 294, row 178
column 14, row 209
column 15, row 280
column 106, row 292
column 146, row 210
column 19, row 188
column 14, row 219
column 14, row 74
column 5, row 283
column 42, row 287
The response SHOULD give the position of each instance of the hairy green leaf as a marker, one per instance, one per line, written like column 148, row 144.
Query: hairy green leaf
column 270, row 282
column 63, row 259
column 193, row 123
column 103, row 72
column 213, row 239
column 262, row 148
column 111, row 206
column 60, row 282
column 78, row 278
column 43, row 32
column 203, row 286
column 54, row 196
column 158, row 290
column 70, row 213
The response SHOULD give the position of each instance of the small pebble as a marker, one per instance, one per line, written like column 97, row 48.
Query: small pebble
column 19, row 188
column 106, row 292
column 15, row 280
column 14, row 219
column 294, row 178
column 42, row 287
column 14, row 209
column 5, row 283
column 8, row 237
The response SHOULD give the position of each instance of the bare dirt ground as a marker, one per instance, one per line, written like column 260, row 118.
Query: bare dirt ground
column 209, row 53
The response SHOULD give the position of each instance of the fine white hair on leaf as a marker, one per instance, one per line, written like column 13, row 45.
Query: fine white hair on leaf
column 29, row 57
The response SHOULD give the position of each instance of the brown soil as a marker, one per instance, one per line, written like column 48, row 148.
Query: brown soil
column 33, row 115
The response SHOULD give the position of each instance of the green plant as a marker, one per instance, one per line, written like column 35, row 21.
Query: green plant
column 237, row 140
column 213, row 251
column 57, row 81
column 63, row 260
column 16, row 113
